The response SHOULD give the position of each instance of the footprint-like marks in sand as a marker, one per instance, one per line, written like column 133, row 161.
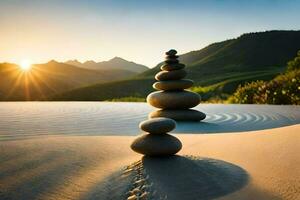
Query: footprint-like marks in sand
column 175, row 177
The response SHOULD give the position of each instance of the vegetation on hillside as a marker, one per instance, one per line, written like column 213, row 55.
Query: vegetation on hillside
column 108, row 91
column 284, row 89
column 247, row 53
column 128, row 99
column 217, row 69
column 295, row 63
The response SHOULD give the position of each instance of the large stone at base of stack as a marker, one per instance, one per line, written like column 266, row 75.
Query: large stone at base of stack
column 157, row 142
column 173, row 100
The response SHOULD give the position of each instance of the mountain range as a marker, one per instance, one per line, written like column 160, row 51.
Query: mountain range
column 115, row 63
column 44, row 80
column 217, row 69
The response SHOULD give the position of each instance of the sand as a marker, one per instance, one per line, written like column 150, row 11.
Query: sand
column 240, row 165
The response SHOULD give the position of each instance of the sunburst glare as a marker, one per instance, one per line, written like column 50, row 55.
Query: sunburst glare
column 25, row 65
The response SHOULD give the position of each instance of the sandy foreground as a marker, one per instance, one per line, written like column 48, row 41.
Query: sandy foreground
column 247, row 165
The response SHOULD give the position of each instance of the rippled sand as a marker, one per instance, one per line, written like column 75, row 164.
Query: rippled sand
column 261, row 164
column 67, row 151
column 21, row 120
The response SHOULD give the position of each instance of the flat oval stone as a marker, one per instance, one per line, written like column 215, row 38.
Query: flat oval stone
column 179, row 115
column 171, row 67
column 158, row 125
column 171, row 61
column 171, row 57
column 170, row 75
column 171, row 52
column 173, row 85
column 173, row 99
column 156, row 145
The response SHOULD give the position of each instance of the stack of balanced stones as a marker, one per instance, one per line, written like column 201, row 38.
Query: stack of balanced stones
column 157, row 141
column 172, row 99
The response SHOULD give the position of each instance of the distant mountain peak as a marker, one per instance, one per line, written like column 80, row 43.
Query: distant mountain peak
column 89, row 62
column 116, row 58
column 74, row 60
column 116, row 63
column 52, row 62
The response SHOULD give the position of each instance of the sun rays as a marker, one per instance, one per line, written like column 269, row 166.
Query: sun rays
column 26, row 65
column 29, row 79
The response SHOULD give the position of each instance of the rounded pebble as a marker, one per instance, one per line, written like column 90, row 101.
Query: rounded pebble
column 179, row 115
column 133, row 197
column 171, row 67
column 171, row 52
column 172, row 57
column 158, row 125
column 171, row 61
column 170, row 75
column 156, row 145
column 173, row 99
column 173, row 85
column 144, row 196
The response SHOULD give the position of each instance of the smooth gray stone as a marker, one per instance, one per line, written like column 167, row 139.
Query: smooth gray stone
column 173, row 99
column 171, row 67
column 172, row 57
column 171, row 52
column 156, row 145
column 171, row 75
column 179, row 115
column 159, row 125
column 171, row 61
column 173, row 85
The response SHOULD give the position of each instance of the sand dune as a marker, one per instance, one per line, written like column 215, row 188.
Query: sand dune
column 246, row 165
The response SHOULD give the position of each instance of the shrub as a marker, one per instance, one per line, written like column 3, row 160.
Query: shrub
column 284, row 89
column 294, row 64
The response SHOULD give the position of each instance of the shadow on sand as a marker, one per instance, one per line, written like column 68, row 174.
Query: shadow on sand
column 237, row 122
column 173, row 178
column 193, row 178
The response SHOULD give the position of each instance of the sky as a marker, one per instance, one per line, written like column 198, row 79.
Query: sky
column 136, row 30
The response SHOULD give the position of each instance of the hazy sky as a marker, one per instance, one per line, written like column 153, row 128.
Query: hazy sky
column 137, row 30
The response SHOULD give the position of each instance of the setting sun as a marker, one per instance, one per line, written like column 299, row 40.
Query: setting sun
column 25, row 65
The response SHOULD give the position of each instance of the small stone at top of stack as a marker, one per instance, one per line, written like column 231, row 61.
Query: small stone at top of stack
column 172, row 99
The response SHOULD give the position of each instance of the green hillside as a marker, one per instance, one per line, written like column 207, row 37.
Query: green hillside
column 218, row 68
column 283, row 89
column 251, row 51
column 110, row 90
